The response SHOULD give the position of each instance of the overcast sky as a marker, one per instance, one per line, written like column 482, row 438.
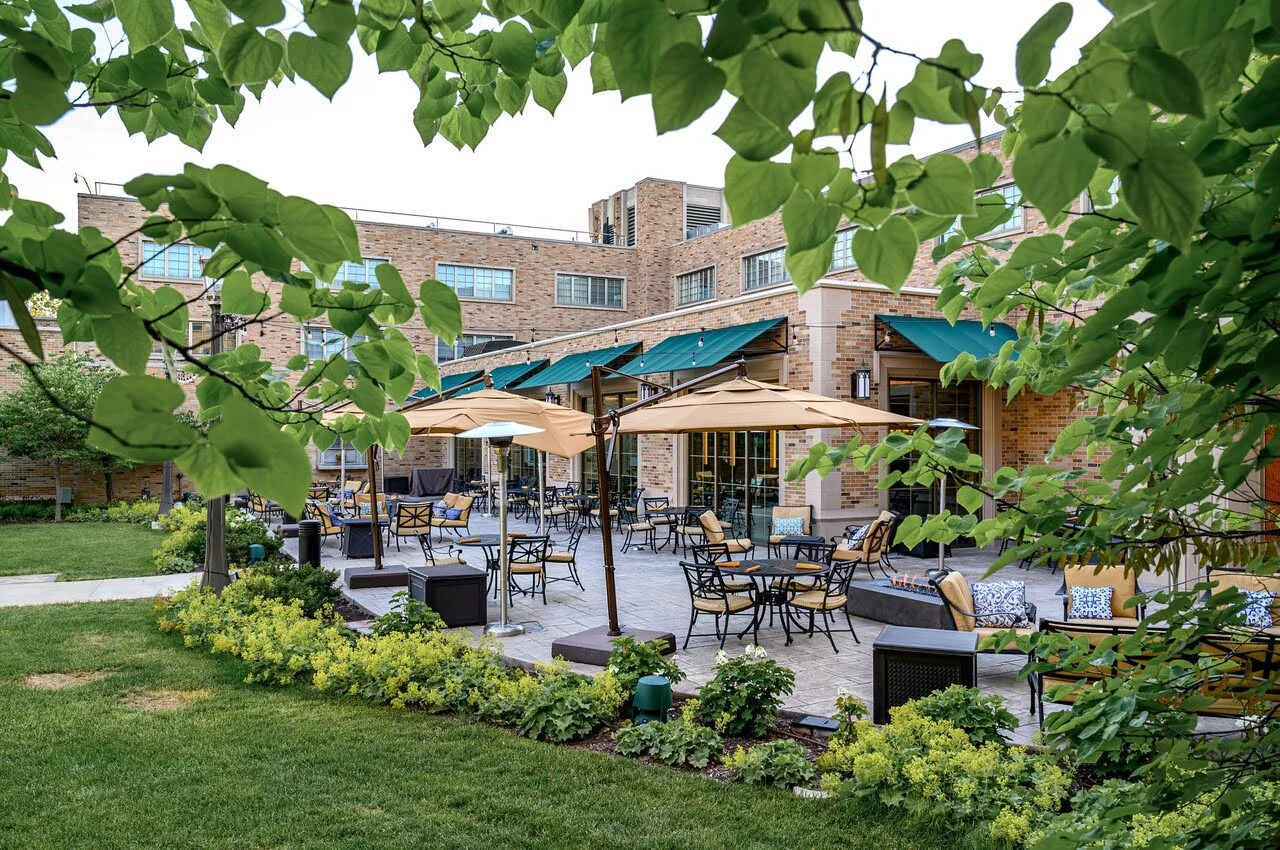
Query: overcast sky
column 361, row 150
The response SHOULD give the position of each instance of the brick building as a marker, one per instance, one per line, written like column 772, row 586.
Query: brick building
column 659, row 270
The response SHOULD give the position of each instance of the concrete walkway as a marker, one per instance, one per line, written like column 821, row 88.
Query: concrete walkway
column 14, row 593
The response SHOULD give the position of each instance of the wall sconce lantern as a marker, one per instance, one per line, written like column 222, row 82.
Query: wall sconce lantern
column 862, row 383
column 552, row 397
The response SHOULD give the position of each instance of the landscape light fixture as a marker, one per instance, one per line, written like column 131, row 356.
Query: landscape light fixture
column 552, row 397
column 500, row 436
column 861, row 383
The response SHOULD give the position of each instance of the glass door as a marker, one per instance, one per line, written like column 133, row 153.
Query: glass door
column 718, row 470
column 926, row 399
column 624, row 469
column 468, row 460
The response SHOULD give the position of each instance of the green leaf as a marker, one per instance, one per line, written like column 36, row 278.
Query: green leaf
column 40, row 97
column 22, row 316
column 268, row 460
column 1036, row 249
column 134, row 418
column 808, row 219
column 1163, row 80
column 752, row 135
column 774, row 87
column 886, row 254
column 945, row 188
column 755, row 190
column 685, row 85
column 97, row 11
column 441, row 312
column 321, row 232
column 513, row 47
column 558, row 13
column 970, row 498
column 639, row 33
column 260, row 13
column 333, row 22
column 239, row 298
column 986, row 170
column 1260, row 106
column 1052, row 175
column 548, row 91
column 247, row 56
column 1180, row 24
column 391, row 284
column 1165, row 190
column 807, row 267
column 123, row 338
column 322, row 63
column 145, row 22
column 1035, row 49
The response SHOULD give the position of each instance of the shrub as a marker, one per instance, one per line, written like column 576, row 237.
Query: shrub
column 783, row 763
column 184, row 544
column 681, row 742
column 433, row 671
column 139, row 512
column 406, row 617
column 284, row 580
column 744, row 695
column 279, row 640
column 928, row 765
column 26, row 511
column 556, row 704
column 983, row 719
column 632, row 659
column 849, row 710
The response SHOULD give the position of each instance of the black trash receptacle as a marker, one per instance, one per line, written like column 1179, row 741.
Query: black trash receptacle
column 309, row 542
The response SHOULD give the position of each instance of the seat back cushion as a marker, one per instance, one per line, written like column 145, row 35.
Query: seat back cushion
column 800, row 512
column 711, row 525
column 463, row 503
column 1124, row 585
column 955, row 588
column 1247, row 582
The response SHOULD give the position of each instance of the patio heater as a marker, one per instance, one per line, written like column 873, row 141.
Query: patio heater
column 500, row 436
column 943, row 424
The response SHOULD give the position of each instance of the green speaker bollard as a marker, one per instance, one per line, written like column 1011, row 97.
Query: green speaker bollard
column 652, row 699
column 257, row 552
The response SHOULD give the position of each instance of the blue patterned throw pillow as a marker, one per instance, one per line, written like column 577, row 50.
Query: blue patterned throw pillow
column 1000, row 604
column 1257, row 609
column 1090, row 603
column 788, row 525
column 453, row 513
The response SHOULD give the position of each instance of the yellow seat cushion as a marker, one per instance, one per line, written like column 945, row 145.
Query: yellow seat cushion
column 717, row 605
column 1123, row 622
column 447, row 561
column 561, row 557
column 659, row 519
column 641, row 526
column 818, row 600
column 984, row 633
column 737, row 585
column 691, row 530
column 524, row 569
column 1247, row 582
column 711, row 526
column 791, row 512
column 955, row 588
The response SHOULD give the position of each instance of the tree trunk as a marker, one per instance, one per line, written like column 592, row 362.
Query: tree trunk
column 109, row 483
column 57, row 491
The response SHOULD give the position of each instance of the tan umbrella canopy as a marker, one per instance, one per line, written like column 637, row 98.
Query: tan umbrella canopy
column 746, row 405
column 564, row 432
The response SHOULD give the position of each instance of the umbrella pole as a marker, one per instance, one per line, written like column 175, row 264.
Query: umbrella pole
column 374, row 528
column 606, row 527
column 942, row 505
column 747, row 469
column 542, row 491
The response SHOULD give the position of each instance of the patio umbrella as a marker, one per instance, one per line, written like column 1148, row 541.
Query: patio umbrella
column 564, row 432
column 744, row 404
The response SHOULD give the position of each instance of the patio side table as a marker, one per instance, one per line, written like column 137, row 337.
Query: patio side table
column 456, row 593
column 909, row 663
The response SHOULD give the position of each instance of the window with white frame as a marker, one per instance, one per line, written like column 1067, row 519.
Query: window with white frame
column 695, row 286
column 446, row 351
column 359, row 271
column 181, row 260
column 476, row 281
column 320, row 343
column 582, row 290
column 1012, row 197
column 842, row 256
column 6, row 316
column 767, row 269
column 331, row 458
column 199, row 337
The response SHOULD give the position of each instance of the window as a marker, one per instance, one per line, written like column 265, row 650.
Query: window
column 842, row 256
column 178, row 260
column 765, row 269
column 6, row 315
column 692, row 287
column 358, row 271
column 476, row 281
column 331, row 458
column 1012, row 196
column 580, row 290
column 322, row 343
column 446, row 351
column 198, row 337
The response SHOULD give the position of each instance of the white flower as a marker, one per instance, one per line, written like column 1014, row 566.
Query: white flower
column 674, row 659
column 760, row 653
column 842, row 691
column 750, row 650
column 721, row 657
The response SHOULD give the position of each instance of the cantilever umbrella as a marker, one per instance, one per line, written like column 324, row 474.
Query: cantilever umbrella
column 564, row 432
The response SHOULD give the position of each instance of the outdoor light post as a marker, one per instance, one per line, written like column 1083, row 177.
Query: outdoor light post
column 215, row 574
column 500, row 436
column 942, row 424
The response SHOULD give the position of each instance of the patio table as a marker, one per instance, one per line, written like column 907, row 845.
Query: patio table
column 489, row 543
column 677, row 511
column 797, row 540
column 773, row 585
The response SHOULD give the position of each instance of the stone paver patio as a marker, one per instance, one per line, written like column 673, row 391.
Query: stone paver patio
column 652, row 594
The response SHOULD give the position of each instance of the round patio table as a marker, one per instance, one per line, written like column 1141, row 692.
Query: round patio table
column 771, row 595
column 489, row 543
column 677, row 511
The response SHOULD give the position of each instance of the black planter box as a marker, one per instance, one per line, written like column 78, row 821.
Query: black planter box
column 910, row 663
column 456, row 593
column 357, row 538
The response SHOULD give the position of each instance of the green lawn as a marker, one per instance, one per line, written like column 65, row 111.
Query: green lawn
column 78, row 550
column 248, row 766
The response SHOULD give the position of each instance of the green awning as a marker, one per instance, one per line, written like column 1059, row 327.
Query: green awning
column 684, row 351
column 505, row 376
column 448, row 382
column 944, row 341
column 576, row 367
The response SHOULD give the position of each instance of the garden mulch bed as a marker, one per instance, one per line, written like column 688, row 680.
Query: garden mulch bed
column 348, row 609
